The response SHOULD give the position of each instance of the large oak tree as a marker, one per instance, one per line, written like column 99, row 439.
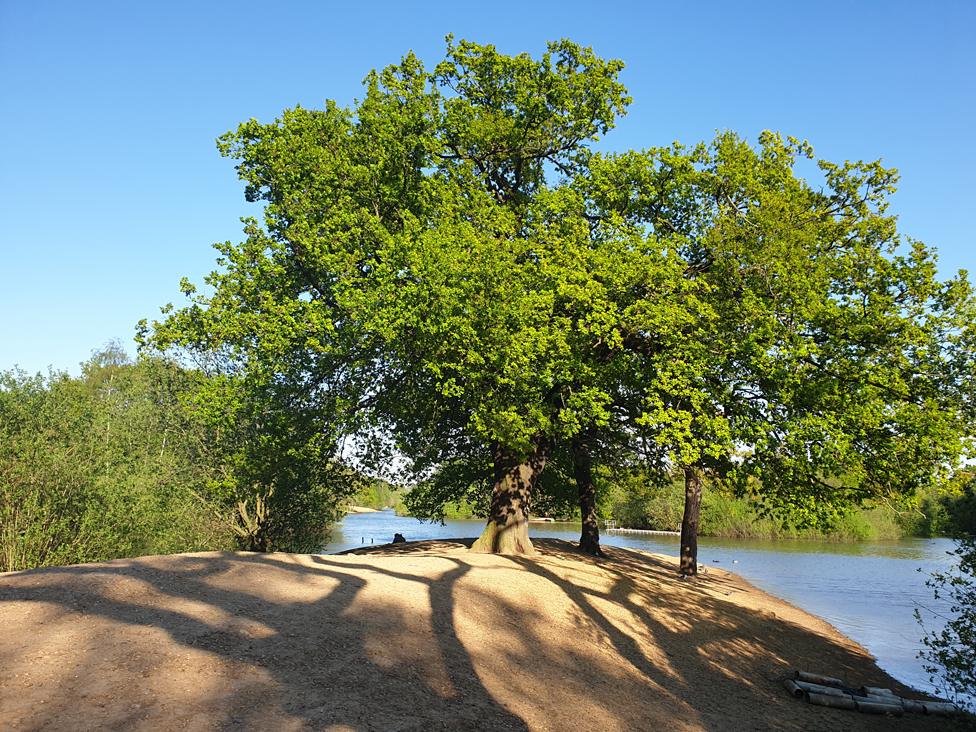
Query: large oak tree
column 448, row 264
column 416, row 236
column 824, row 349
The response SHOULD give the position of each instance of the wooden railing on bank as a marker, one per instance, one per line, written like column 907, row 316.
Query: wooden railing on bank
column 611, row 527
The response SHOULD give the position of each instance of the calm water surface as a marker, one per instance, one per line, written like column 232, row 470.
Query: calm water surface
column 868, row 591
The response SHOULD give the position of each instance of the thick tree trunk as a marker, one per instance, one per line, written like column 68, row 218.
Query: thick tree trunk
column 583, row 472
column 689, row 522
column 507, row 531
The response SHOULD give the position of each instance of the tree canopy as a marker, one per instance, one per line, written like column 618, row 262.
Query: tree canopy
column 450, row 268
column 818, row 348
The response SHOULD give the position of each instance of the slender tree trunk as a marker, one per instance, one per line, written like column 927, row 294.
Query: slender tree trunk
column 507, row 531
column 689, row 522
column 583, row 472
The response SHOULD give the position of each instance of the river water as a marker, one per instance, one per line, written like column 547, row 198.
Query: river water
column 869, row 591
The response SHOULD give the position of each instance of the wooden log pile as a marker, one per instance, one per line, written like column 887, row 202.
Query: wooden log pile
column 827, row 691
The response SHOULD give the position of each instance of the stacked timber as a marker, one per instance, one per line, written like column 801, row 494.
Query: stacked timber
column 826, row 691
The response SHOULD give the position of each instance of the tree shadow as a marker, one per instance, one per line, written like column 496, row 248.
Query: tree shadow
column 415, row 636
column 252, row 661
column 729, row 667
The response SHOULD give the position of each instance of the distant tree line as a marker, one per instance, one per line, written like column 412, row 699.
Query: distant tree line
column 635, row 499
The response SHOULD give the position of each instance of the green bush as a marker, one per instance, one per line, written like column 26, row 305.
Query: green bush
column 948, row 509
column 268, row 460
column 958, row 505
column 638, row 501
column 948, row 653
column 95, row 468
column 148, row 458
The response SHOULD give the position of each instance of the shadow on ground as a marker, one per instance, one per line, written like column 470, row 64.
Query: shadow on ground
column 407, row 637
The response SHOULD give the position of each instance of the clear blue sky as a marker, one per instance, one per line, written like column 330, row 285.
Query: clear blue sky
column 111, row 188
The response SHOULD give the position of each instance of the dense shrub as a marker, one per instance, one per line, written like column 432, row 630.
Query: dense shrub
column 96, row 467
column 149, row 458
column 267, row 460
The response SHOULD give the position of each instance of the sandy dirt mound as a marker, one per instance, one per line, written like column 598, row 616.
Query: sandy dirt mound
column 412, row 637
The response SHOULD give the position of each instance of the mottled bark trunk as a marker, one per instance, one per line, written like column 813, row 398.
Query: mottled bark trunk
column 507, row 531
column 689, row 522
column 583, row 472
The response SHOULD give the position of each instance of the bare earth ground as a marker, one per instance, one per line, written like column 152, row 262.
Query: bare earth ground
column 421, row 636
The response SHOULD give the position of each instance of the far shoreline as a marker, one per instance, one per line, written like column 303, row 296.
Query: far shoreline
column 361, row 509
